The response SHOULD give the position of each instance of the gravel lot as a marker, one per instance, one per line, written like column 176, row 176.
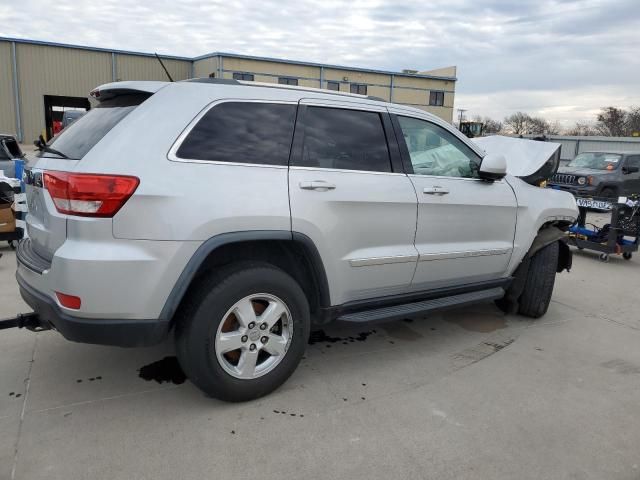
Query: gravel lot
column 465, row 394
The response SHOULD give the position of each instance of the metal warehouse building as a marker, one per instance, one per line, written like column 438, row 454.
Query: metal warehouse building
column 39, row 80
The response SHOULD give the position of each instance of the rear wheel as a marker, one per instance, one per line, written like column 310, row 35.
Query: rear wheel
column 242, row 333
column 541, row 277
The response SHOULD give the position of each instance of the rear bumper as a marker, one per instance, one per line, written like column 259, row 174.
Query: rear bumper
column 117, row 332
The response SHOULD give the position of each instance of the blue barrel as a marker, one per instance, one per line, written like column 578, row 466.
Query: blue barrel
column 19, row 163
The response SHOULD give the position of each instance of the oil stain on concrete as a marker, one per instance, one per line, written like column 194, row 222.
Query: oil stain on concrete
column 320, row 336
column 400, row 331
column 165, row 370
column 477, row 322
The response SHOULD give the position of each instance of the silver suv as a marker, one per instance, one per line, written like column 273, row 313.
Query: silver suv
column 237, row 215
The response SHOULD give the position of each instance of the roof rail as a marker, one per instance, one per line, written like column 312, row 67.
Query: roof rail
column 247, row 83
column 219, row 81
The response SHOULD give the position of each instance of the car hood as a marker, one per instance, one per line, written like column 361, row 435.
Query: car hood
column 530, row 160
column 524, row 157
column 583, row 171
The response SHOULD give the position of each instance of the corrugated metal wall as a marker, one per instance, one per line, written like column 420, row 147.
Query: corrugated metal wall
column 134, row 67
column 44, row 70
column 48, row 69
column 203, row 68
column 7, row 110
column 609, row 144
column 571, row 146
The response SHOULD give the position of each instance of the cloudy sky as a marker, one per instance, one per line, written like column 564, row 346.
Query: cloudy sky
column 557, row 58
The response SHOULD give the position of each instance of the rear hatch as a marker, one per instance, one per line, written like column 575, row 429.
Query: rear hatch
column 47, row 219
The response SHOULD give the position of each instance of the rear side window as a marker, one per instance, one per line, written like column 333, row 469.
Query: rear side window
column 82, row 135
column 243, row 132
column 344, row 139
column 633, row 161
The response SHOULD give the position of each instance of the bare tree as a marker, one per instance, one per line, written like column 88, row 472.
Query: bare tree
column 537, row 126
column 492, row 126
column 524, row 124
column 581, row 129
column 633, row 120
column 553, row 128
column 612, row 122
column 518, row 123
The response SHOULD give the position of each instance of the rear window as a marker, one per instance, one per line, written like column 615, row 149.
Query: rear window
column 242, row 132
column 83, row 134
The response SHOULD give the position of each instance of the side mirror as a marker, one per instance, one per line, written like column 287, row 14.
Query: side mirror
column 493, row 167
column 631, row 169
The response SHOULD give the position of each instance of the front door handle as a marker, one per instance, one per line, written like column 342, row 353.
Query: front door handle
column 320, row 185
column 435, row 191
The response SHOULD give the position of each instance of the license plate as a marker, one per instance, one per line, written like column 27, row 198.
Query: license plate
column 591, row 203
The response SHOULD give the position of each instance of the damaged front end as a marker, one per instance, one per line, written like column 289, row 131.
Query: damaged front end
column 534, row 162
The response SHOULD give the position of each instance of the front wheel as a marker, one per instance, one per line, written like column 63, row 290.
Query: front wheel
column 243, row 332
column 541, row 277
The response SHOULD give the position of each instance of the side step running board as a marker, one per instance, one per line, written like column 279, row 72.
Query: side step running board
column 397, row 312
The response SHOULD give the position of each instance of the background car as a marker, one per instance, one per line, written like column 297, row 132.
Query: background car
column 600, row 174
column 9, row 150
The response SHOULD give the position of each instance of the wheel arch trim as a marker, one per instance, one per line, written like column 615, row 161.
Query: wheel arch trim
column 189, row 272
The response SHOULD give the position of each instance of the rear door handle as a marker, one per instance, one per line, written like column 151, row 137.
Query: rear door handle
column 435, row 191
column 320, row 185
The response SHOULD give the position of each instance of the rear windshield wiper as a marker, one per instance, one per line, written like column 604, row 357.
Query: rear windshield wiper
column 43, row 147
column 48, row 149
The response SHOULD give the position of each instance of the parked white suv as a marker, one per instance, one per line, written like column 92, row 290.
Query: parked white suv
column 239, row 214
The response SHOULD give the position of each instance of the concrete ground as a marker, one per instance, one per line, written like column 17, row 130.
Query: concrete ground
column 468, row 394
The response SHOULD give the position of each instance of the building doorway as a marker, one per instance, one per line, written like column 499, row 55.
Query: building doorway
column 59, row 111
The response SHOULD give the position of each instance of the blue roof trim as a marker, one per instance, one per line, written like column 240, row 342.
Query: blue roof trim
column 229, row 55
column 92, row 49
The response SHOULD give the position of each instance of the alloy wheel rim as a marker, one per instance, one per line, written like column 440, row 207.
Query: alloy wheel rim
column 254, row 336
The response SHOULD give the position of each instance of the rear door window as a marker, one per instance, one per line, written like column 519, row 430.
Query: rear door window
column 344, row 139
column 242, row 132
column 81, row 136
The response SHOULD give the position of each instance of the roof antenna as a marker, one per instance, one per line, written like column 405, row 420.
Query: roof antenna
column 164, row 68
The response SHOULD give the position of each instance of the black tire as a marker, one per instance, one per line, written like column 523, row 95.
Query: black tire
column 201, row 314
column 627, row 255
column 541, row 277
column 609, row 192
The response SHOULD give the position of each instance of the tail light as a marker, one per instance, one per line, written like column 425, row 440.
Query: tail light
column 89, row 194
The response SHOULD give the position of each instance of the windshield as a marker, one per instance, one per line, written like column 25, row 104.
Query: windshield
column 83, row 134
column 596, row 161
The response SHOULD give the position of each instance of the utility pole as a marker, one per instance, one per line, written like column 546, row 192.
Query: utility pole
column 461, row 111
